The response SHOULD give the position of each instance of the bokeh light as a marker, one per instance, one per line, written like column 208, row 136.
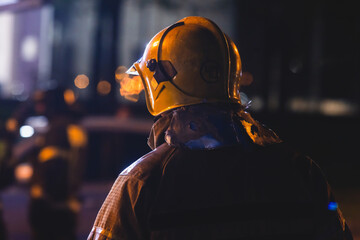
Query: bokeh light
column 29, row 48
column 23, row 172
column 36, row 191
column 332, row 206
column 26, row 131
column 81, row 81
column 11, row 125
column 76, row 136
column 103, row 88
column 69, row 96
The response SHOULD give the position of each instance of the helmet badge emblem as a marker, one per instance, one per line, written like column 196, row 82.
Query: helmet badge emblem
column 210, row 72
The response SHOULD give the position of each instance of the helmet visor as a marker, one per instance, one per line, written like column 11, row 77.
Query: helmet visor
column 130, row 83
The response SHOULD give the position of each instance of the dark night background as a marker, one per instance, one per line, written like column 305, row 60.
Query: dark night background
column 304, row 57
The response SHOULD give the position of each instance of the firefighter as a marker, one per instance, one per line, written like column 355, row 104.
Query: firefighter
column 214, row 172
column 57, row 169
column 6, row 168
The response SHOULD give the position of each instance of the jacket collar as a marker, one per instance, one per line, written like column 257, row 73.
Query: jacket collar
column 209, row 126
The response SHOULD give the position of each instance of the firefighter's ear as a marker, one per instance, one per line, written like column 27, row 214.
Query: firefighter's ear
column 246, row 79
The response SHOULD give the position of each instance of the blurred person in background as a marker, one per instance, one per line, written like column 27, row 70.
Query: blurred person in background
column 57, row 161
column 214, row 172
column 6, row 168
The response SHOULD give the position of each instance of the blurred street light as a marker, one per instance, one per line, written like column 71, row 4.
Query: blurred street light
column 81, row 81
column 103, row 87
column 26, row 131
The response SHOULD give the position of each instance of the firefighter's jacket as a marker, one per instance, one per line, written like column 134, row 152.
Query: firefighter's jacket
column 54, row 191
column 219, row 174
column 57, row 163
column 6, row 170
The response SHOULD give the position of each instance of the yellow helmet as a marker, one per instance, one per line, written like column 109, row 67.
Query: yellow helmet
column 189, row 62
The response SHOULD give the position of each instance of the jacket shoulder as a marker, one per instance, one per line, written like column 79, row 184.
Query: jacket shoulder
column 150, row 163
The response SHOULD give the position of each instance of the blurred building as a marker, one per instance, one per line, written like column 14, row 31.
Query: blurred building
column 303, row 55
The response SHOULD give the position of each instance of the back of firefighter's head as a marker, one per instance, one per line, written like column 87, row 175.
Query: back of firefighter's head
column 189, row 62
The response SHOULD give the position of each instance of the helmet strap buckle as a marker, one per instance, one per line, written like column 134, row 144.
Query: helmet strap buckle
column 164, row 70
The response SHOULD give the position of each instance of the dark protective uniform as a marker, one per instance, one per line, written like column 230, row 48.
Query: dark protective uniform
column 219, row 175
column 6, row 170
column 56, row 156
column 54, row 190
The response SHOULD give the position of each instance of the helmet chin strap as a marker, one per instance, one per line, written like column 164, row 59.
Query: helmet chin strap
column 164, row 34
column 164, row 70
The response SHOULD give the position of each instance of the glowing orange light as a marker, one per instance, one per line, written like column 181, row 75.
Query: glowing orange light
column 11, row 125
column 74, row 205
column 130, row 87
column 76, row 136
column 3, row 147
column 36, row 191
column 69, row 96
column 23, row 172
column 48, row 153
column 81, row 81
column 103, row 87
